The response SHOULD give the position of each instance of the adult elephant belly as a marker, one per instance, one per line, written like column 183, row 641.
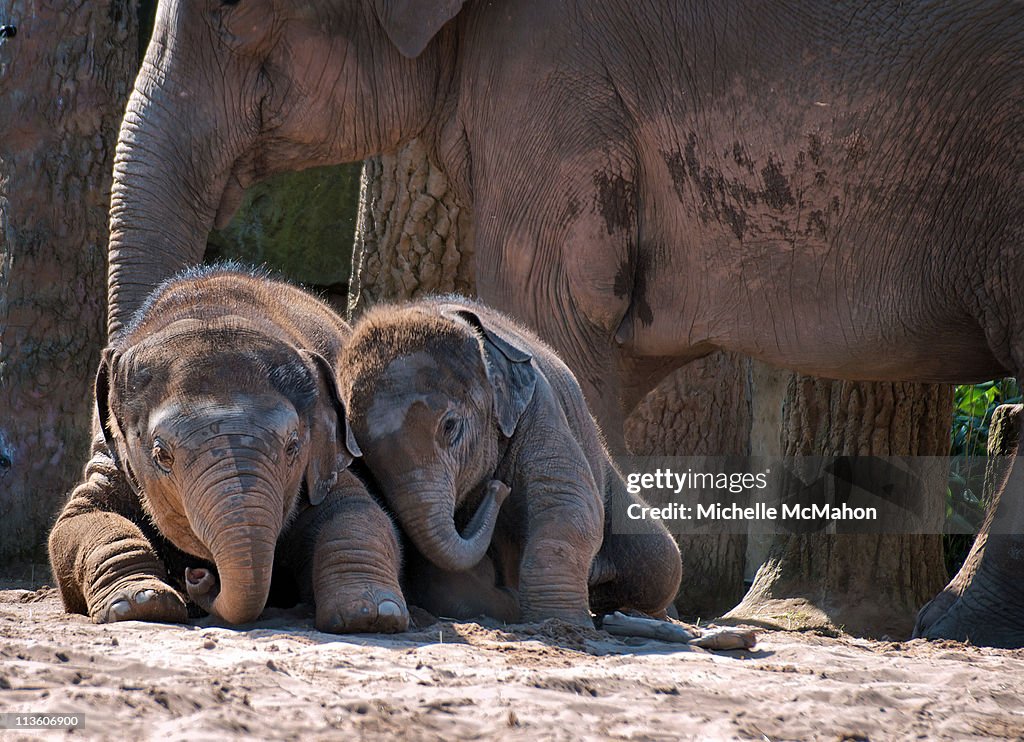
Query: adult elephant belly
column 812, row 307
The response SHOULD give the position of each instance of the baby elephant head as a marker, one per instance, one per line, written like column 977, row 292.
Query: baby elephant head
column 217, row 426
column 431, row 394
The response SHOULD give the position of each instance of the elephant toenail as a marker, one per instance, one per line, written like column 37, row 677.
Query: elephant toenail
column 121, row 607
column 144, row 596
column 389, row 608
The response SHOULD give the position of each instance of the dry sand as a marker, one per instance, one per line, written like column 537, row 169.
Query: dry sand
column 281, row 679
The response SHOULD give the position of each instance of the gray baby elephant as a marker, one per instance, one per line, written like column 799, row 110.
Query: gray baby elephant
column 456, row 408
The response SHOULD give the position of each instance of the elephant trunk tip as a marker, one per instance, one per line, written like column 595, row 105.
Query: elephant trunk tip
column 204, row 590
column 457, row 552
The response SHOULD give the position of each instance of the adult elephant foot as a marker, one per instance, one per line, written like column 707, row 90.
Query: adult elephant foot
column 842, row 582
column 984, row 603
column 987, row 611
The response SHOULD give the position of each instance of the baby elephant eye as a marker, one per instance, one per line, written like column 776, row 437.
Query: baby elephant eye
column 451, row 430
column 292, row 449
column 162, row 456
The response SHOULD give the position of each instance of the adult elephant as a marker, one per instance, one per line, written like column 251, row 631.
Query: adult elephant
column 834, row 188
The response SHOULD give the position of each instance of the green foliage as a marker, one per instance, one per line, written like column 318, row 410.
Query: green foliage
column 301, row 224
column 965, row 508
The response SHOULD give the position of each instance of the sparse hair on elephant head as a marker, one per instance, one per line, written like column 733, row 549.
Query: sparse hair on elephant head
column 220, row 423
column 307, row 381
column 388, row 333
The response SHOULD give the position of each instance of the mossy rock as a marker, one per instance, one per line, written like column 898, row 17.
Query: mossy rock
column 300, row 224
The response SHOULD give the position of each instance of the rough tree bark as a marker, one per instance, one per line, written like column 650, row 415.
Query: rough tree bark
column 702, row 409
column 866, row 584
column 64, row 80
column 413, row 238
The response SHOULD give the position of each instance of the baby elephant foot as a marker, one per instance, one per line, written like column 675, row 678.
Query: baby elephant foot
column 145, row 599
column 374, row 610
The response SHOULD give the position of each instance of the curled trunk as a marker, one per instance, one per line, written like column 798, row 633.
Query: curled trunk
column 237, row 512
column 431, row 526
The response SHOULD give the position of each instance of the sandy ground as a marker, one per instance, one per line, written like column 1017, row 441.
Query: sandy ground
column 281, row 679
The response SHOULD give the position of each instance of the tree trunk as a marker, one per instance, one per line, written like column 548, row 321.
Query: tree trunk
column 64, row 80
column 702, row 409
column 412, row 237
column 865, row 584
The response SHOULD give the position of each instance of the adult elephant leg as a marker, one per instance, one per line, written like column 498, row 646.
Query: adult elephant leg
column 984, row 602
column 700, row 410
column 868, row 584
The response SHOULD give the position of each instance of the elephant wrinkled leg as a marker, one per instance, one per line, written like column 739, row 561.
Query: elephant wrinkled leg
column 104, row 565
column 984, row 602
column 141, row 598
column 990, row 611
column 356, row 566
column 553, row 582
column 635, row 570
column 640, row 572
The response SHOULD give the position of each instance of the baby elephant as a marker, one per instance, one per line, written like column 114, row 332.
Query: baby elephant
column 224, row 441
column 457, row 408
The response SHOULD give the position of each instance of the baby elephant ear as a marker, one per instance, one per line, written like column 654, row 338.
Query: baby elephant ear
column 333, row 446
column 107, row 419
column 411, row 24
column 512, row 375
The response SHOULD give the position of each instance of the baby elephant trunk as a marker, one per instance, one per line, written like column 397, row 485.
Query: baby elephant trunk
column 242, row 544
column 432, row 528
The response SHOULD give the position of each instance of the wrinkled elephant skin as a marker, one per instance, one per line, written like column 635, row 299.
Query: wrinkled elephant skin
column 831, row 189
column 222, row 463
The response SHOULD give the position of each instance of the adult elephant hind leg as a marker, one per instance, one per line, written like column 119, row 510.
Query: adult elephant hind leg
column 984, row 602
